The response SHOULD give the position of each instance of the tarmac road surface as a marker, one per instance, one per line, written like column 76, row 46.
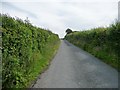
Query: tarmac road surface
column 74, row 68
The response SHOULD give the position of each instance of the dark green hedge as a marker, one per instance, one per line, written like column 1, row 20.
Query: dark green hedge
column 104, row 43
column 26, row 51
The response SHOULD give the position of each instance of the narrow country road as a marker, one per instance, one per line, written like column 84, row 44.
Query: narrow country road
column 75, row 68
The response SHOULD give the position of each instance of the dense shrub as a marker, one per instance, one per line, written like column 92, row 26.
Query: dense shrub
column 102, row 42
column 26, row 51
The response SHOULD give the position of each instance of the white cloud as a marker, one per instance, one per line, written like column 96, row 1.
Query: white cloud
column 58, row 15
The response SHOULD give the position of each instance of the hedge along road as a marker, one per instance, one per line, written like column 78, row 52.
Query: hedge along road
column 74, row 68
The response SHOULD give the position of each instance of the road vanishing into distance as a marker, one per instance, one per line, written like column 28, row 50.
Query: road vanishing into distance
column 74, row 68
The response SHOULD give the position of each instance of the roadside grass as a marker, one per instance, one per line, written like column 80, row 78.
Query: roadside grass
column 42, row 62
column 110, row 58
column 26, row 51
column 103, row 43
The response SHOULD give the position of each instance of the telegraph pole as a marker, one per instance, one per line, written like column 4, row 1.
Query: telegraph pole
column 119, row 11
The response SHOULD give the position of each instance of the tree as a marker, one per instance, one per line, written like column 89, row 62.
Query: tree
column 68, row 31
column 27, row 21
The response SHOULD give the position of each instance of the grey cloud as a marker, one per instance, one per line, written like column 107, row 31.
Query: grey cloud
column 62, row 15
column 11, row 6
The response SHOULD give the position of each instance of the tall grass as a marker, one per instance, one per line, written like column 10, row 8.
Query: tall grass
column 27, row 51
column 103, row 43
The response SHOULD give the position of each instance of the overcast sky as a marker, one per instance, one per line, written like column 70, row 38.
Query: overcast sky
column 58, row 15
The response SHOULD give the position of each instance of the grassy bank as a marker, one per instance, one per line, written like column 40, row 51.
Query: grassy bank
column 103, row 43
column 27, row 51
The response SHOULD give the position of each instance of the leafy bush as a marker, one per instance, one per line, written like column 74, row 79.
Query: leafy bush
column 27, row 50
column 104, row 43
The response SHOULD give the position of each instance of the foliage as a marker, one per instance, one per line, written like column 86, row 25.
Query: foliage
column 102, row 42
column 68, row 31
column 27, row 50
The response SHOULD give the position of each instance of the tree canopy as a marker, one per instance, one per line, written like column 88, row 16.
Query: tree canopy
column 68, row 31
